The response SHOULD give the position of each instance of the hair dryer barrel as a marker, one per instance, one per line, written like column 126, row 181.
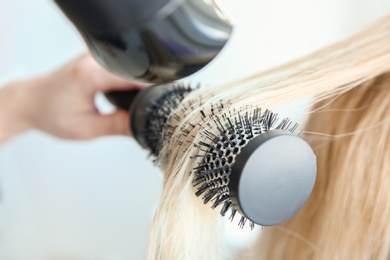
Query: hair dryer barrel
column 150, row 40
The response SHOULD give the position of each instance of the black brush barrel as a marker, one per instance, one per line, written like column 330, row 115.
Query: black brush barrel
column 150, row 111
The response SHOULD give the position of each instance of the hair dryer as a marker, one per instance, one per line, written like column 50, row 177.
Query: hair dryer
column 150, row 40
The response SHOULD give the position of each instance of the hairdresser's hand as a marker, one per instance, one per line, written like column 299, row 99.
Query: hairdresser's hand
column 62, row 103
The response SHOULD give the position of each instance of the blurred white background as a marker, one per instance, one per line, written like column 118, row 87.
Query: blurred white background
column 95, row 200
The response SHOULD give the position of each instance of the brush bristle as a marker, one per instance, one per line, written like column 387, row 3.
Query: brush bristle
column 159, row 113
column 223, row 142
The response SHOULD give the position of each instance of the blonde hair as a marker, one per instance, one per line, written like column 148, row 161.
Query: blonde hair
column 351, row 122
column 347, row 216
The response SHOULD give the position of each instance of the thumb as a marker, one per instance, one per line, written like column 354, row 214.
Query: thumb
column 116, row 123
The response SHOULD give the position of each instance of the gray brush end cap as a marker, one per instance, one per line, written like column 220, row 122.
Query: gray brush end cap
column 272, row 177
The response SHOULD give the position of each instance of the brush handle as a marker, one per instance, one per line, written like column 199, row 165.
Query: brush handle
column 122, row 98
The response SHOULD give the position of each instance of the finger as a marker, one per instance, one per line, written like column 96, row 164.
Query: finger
column 106, row 80
column 116, row 123
column 109, row 81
